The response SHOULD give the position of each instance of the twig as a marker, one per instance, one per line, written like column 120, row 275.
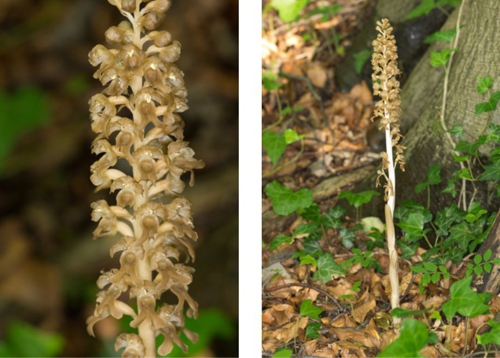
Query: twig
column 305, row 285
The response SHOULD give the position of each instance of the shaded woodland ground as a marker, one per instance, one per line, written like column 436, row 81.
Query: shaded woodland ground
column 48, row 260
column 326, row 290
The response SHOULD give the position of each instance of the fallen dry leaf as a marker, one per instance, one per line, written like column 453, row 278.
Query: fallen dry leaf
column 316, row 72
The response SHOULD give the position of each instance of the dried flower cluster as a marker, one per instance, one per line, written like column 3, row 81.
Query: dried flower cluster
column 388, row 108
column 143, row 155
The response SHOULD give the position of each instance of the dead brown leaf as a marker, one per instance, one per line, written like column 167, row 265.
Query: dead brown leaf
column 365, row 304
column 316, row 72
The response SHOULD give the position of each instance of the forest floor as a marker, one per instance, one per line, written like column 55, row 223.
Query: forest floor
column 313, row 133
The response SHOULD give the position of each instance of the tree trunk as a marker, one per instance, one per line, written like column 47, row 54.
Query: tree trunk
column 422, row 96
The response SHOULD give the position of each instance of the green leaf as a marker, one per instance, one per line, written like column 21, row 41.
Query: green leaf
column 464, row 300
column 483, row 84
column 307, row 309
column 425, row 7
column 442, row 57
column 457, row 130
column 491, row 172
column 433, row 178
column 406, row 207
column 475, row 212
column 275, row 145
column 279, row 240
column 288, row 9
column 347, row 237
column 441, row 36
column 487, row 255
column 477, row 259
column 283, row 353
column 312, row 330
column 308, row 260
column 25, row 340
column 446, row 217
column 487, row 267
column 270, row 80
column 20, row 112
column 404, row 313
column 310, row 228
column 461, row 234
column 413, row 226
column 489, row 106
column 284, row 200
column 429, row 266
column 360, row 59
column 493, row 336
column 358, row 199
column 291, row 136
column 411, row 341
column 327, row 267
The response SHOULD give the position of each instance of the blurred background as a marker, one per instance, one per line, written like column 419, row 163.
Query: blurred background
column 48, row 260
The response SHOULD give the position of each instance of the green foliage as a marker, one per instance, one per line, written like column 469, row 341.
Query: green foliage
column 270, row 80
column 20, row 112
column 457, row 130
column 327, row 267
column 285, row 201
column 279, row 240
column 404, row 313
column 489, row 106
column 426, row 6
column 413, row 338
column 440, row 58
column 433, row 177
column 430, row 273
column 441, row 36
column 493, row 336
column 482, row 263
column 307, row 309
column 326, row 11
column 360, row 59
column 465, row 301
column 275, row 145
column 283, row 353
column 288, row 9
column 312, row 330
column 358, row 199
column 484, row 84
column 24, row 340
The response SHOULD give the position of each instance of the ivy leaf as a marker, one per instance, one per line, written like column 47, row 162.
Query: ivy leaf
column 291, row 136
column 483, row 84
column 403, row 313
column 407, row 207
column 441, row 36
column 275, row 145
column 312, row 330
column 288, row 9
column 270, row 80
column 347, row 236
column 284, row 200
column 425, row 7
column 446, row 217
column 327, row 267
column 308, row 260
column 465, row 301
column 313, row 213
column 358, row 199
column 489, row 106
column 433, row 177
column 413, row 226
column 307, row 309
column 360, row 59
column 457, row 130
column 279, row 240
column 283, row 353
column 491, row 172
column 440, row 58
column 460, row 234
column 493, row 336
column 411, row 341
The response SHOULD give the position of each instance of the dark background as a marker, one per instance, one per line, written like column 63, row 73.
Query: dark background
column 48, row 260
